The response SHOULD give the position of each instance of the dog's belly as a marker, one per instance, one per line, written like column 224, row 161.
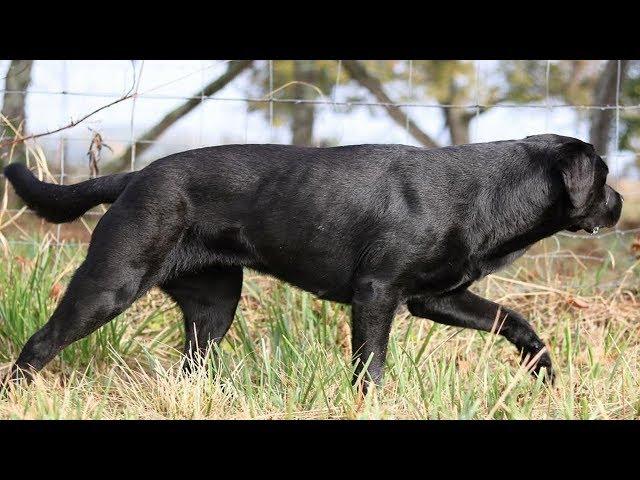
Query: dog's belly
column 320, row 273
column 326, row 278
column 319, row 285
column 318, row 260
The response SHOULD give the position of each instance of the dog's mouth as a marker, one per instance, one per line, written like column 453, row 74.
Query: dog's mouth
column 592, row 230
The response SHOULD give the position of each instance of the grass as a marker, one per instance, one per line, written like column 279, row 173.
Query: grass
column 287, row 353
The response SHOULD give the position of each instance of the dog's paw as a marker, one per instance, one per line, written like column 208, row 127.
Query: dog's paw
column 543, row 367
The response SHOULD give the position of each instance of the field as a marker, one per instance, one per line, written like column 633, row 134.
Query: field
column 287, row 354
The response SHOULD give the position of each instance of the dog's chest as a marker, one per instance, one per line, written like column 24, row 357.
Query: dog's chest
column 456, row 273
column 492, row 264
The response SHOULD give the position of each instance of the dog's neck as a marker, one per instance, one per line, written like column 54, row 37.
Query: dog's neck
column 523, row 224
column 525, row 240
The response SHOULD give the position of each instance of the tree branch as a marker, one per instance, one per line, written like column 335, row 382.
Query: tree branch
column 73, row 123
column 359, row 73
column 457, row 122
column 605, row 95
column 69, row 125
column 234, row 69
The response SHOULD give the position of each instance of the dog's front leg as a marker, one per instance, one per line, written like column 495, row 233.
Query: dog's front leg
column 465, row 309
column 372, row 309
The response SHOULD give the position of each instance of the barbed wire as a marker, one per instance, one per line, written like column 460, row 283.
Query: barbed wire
column 363, row 103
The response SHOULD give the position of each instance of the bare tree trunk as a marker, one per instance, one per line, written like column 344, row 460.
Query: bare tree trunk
column 142, row 143
column 303, row 116
column 605, row 95
column 457, row 121
column 359, row 73
column 17, row 82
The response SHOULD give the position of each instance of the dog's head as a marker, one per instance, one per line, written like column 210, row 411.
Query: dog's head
column 592, row 203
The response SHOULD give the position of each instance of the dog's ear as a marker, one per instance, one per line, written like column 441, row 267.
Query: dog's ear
column 577, row 162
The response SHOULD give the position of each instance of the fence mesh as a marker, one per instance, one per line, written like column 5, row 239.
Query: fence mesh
column 239, row 113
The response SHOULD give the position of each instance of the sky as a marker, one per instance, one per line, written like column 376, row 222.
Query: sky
column 225, row 119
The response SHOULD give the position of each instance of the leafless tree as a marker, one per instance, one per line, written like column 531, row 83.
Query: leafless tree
column 17, row 82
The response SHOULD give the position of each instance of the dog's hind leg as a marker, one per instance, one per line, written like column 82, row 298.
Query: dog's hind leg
column 125, row 259
column 208, row 300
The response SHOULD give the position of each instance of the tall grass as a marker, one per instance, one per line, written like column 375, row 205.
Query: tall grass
column 287, row 354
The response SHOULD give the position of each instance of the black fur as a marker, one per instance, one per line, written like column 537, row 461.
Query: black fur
column 64, row 203
column 375, row 226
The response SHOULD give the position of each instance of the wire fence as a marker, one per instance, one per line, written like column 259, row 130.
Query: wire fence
column 338, row 104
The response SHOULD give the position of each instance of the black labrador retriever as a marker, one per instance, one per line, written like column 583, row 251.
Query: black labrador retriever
column 375, row 226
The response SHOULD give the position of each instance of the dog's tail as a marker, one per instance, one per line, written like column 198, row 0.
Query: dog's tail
column 64, row 203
